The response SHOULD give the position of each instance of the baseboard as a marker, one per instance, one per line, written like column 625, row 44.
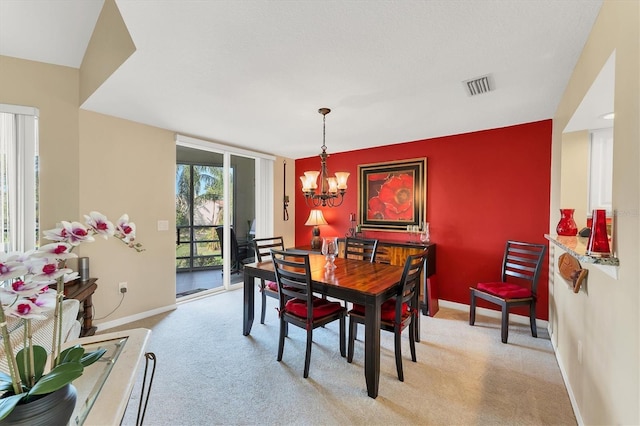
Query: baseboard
column 142, row 315
column 520, row 319
column 567, row 384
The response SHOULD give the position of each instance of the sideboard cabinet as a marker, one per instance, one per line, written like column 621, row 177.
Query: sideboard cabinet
column 395, row 253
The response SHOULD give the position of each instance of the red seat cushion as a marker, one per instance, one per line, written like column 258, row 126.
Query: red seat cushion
column 272, row 285
column 505, row 290
column 388, row 310
column 321, row 307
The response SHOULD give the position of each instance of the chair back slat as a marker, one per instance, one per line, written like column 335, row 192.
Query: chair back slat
column 410, row 283
column 360, row 249
column 293, row 275
column 523, row 261
column 263, row 246
column 383, row 255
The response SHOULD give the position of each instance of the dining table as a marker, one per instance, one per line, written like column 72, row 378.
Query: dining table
column 355, row 281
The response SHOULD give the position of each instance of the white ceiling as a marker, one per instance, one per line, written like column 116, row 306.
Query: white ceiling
column 254, row 73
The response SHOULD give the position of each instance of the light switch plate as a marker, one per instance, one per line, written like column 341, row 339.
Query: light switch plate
column 163, row 225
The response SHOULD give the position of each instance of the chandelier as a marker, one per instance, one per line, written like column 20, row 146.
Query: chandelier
column 332, row 189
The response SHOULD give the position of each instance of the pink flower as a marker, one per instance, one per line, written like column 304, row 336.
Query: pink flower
column 25, row 309
column 99, row 224
column 59, row 251
column 27, row 288
column 49, row 273
column 73, row 233
column 45, row 299
column 126, row 230
column 11, row 269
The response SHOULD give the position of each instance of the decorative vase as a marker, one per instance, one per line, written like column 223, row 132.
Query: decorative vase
column 598, row 244
column 54, row 408
column 567, row 226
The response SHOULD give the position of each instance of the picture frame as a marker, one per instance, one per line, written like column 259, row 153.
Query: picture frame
column 392, row 195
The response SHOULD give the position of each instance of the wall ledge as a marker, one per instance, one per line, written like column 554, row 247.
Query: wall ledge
column 577, row 247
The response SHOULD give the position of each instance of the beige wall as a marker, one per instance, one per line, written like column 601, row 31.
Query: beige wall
column 603, row 318
column 280, row 226
column 126, row 167
column 54, row 91
column 575, row 175
column 91, row 161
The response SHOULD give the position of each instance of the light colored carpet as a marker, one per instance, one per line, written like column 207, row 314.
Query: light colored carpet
column 209, row 373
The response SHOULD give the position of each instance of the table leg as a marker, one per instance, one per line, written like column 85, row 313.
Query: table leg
column 87, row 324
column 249, row 302
column 372, row 347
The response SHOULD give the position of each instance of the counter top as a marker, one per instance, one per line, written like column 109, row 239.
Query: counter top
column 577, row 247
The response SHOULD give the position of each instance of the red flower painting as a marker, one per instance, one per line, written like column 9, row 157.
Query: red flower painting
column 391, row 195
column 394, row 199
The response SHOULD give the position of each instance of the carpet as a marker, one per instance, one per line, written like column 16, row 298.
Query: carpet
column 208, row 373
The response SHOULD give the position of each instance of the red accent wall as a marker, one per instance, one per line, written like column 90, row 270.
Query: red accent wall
column 483, row 188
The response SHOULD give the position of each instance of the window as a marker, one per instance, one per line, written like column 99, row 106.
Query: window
column 19, row 177
column 601, row 170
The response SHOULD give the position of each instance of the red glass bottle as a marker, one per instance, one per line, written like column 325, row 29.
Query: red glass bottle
column 567, row 226
column 598, row 244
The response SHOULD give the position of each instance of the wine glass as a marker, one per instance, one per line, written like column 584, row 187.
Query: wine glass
column 424, row 235
column 330, row 250
column 415, row 231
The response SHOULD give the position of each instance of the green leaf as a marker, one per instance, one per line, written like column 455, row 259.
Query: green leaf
column 40, row 361
column 92, row 357
column 8, row 404
column 72, row 354
column 4, row 377
column 57, row 378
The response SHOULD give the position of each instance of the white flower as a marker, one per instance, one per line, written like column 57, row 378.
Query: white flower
column 99, row 224
column 73, row 233
column 126, row 230
column 11, row 269
column 59, row 251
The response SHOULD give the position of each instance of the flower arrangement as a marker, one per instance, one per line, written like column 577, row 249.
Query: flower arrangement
column 25, row 294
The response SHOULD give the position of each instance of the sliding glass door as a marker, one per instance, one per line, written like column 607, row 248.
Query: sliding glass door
column 199, row 205
column 216, row 220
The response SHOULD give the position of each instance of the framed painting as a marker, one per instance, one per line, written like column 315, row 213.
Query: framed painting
column 392, row 195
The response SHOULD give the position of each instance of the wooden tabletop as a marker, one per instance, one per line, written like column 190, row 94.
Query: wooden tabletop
column 349, row 274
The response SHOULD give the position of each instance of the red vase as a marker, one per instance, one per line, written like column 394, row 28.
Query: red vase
column 567, row 226
column 598, row 244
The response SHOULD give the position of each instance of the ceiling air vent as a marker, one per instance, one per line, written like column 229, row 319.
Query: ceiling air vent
column 478, row 86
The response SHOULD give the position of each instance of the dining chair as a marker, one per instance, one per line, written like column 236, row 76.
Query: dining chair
column 360, row 248
column 397, row 313
column 298, row 305
column 521, row 266
column 262, row 248
column 237, row 255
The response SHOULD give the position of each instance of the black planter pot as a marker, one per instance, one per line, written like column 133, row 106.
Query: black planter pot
column 52, row 409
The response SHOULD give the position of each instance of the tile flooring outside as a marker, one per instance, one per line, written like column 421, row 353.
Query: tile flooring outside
column 190, row 283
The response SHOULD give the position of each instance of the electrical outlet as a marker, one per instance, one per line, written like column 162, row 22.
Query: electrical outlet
column 122, row 287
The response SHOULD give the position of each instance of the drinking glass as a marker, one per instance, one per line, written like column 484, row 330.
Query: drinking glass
column 330, row 251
